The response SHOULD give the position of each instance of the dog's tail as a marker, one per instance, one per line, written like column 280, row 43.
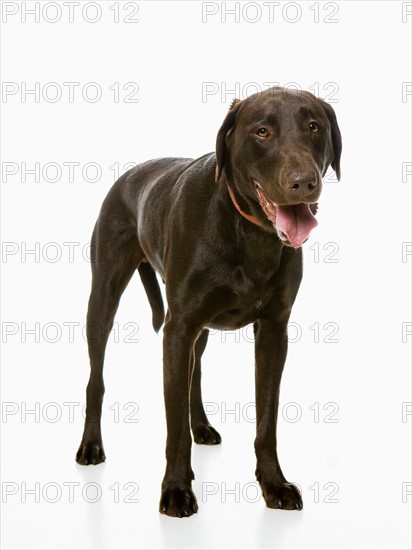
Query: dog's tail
column 151, row 286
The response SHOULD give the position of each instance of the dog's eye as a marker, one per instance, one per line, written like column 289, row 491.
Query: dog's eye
column 314, row 127
column 262, row 132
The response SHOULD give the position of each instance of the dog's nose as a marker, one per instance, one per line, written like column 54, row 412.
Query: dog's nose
column 301, row 183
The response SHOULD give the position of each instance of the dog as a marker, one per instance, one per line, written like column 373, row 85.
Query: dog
column 224, row 232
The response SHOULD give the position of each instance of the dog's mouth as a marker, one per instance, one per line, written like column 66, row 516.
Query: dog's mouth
column 293, row 223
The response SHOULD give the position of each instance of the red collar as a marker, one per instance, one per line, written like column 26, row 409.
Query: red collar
column 252, row 219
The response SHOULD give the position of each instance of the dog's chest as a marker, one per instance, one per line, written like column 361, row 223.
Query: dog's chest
column 244, row 295
column 252, row 270
column 252, row 287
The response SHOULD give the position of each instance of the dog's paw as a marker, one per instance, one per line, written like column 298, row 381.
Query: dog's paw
column 90, row 453
column 178, row 503
column 206, row 435
column 284, row 496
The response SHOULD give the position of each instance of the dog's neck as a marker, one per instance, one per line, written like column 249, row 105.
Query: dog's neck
column 250, row 218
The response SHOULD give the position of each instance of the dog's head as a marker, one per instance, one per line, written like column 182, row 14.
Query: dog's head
column 273, row 149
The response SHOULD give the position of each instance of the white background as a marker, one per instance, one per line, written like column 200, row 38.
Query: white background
column 352, row 460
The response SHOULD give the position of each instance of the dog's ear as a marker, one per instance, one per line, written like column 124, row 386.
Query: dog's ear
column 224, row 131
column 336, row 136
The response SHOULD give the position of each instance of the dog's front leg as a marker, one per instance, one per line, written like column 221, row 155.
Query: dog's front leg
column 177, row 497
column 271, row 344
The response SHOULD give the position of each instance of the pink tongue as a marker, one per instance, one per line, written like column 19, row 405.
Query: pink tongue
column 296, row 222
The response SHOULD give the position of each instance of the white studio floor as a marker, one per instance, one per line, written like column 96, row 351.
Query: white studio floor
column 330, row 444
column 368, row 513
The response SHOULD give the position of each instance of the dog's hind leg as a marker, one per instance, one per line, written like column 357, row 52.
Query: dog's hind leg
column 115, row 256
column 203, row 432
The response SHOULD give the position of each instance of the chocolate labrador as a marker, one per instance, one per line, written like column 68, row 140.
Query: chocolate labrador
column 224, row 232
